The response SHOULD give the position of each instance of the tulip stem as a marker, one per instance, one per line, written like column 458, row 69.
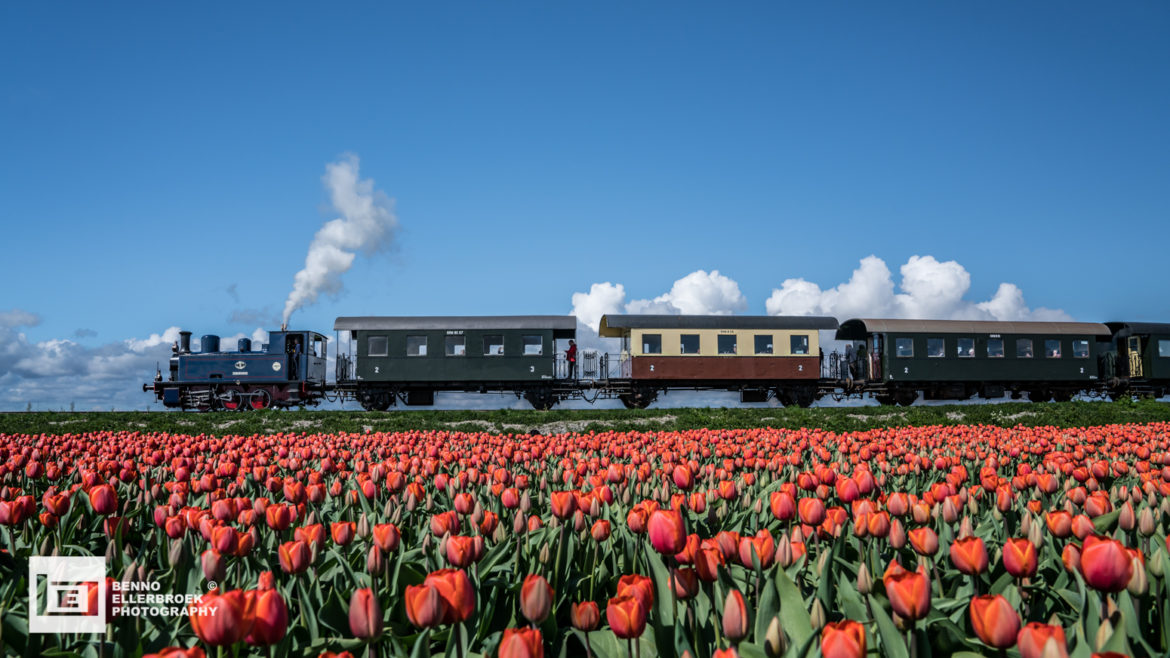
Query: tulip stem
column 592, row 579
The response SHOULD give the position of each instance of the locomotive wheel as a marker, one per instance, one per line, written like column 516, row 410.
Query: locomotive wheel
column 1062, row 395
column 884, row 400
column 235, row 400
column 1039, row 395
column 260, row 399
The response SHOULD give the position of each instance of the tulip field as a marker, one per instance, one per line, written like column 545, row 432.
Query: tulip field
column 906, row 542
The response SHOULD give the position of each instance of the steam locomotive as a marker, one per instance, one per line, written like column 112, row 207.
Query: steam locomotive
column 382, row 361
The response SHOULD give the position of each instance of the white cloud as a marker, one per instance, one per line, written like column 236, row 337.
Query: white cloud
column 698, row 293
column 929, row 290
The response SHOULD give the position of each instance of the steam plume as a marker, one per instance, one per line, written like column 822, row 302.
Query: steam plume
column 367, row 224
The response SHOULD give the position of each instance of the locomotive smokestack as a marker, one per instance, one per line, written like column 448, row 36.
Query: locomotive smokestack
column 184, row 341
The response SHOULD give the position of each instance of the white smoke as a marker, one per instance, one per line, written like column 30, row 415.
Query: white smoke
column 929, row 290
column 698, row 293
column 367, row 224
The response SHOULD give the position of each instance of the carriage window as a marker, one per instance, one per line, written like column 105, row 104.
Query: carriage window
column 689, row 344
column 456, row 346
column 1163, row 347
column 966, row 349
column 416, row 346
column 1023, row 348
column 935, row 348
column 799, row 344
column 533, row 345
column 763, row 343
column 1052, row 349
column 1081, row 349
column 493, row 345
column 378, row 346
column 995, row 348
column 904, row 347
column 727, row 344
column 651, row 343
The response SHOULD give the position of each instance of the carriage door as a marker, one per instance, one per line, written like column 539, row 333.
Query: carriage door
column 1135, row 356
column 875, row 356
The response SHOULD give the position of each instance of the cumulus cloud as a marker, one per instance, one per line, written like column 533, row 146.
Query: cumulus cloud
column 929, row 289
column 698, row 293
column 367, row 224
column 59, row 373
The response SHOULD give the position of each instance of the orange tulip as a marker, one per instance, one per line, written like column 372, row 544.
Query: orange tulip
column 271, row 621
column 969, row 555
column 563, row 504
column 626, row 616
column 924, row 540
column 843, row 639
column 908, row 592
column 1019, row 557
column 994, row 621
column 294, row 556
column 342, row 532
column 640, row 587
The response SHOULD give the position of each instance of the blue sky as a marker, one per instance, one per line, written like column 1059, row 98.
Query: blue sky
column 162, row 164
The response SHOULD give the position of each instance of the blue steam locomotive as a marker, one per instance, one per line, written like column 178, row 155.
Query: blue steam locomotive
column 288, row 371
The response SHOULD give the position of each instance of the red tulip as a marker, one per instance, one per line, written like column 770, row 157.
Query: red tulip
column 994, row 620
column 585, row 616
column 1105, row 564
column 626, row 616
column 685, row 583
column 425, row 607
column 667, row 534
column 279, row 517
column 455, row 588
column 536, row 597
column 460, row 550
column 271, row 622
column 386, row 536
column 365, row 615
column 683, row 478
column 223, row 619
column 811, row 511
column 783, row 505
column 600, row 531
column 1059, row 523
column 103, row 499
column 521, row 643
column 843, row 639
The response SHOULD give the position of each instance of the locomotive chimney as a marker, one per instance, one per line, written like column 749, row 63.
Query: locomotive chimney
column 184, row 342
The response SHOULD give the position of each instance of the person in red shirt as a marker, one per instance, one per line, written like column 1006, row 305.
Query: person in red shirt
column 571, row 356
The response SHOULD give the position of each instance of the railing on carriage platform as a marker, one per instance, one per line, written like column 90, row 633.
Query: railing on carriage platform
column 593, row 366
